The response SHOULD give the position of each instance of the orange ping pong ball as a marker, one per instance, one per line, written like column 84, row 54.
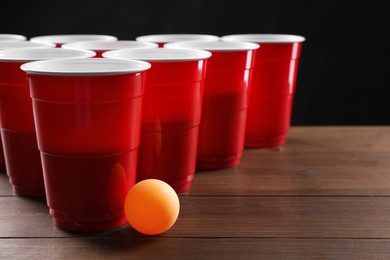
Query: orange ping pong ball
column 152, row 207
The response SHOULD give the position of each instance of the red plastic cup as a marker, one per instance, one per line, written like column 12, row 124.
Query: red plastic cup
column 162, row 39
column 22, row 156
column 13, row 44
column 272, row 87
column 88, row 116
column 102, row 46
column 222, row 128
column 171, row 114
column 11, row 37
column 58, row 40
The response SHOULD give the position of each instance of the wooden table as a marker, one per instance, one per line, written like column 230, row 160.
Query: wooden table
column 326, row 194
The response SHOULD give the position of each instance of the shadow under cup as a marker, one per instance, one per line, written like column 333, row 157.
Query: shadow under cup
column 88, row 115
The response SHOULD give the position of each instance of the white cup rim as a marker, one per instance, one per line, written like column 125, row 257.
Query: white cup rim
column 66, row 38
column 165, row 38
column 264, row 38
column 213, row 46
column 158, row 54
column 85, row 67
column 8, row 37
column 34, row 54
column 109, row 45
column 24, row 44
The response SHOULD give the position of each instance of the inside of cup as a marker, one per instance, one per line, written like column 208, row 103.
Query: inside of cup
column 30, row 54
column 177, row 37
column 65, row 38
column 265, row 38
column 80, row 67
column 159, row 54
column 214, row 46
column 106, row 45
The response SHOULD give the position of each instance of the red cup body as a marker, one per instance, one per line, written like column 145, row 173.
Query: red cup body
column 22, row 157
column 88, row 130
column 170, row 122
column 225, row 102
column 271, row 94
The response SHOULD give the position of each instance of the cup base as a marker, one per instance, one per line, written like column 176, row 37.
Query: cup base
column 219, row 163
column 86, row 193
column 182, row 187
column 23, row 163
column 34, row 192
column 87, row 226
column 266, row 141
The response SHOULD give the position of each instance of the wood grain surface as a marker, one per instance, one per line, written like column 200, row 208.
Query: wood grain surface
column 324, row 195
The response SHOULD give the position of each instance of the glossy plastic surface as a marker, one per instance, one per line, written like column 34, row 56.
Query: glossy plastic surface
column 18, row 132
column 88, row 130
column 87, row 193
column 271, row 94
column 170, row 122
column 222, row 129
column 16, row 118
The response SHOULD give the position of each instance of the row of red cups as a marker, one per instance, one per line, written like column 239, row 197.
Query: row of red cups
column 87, row 117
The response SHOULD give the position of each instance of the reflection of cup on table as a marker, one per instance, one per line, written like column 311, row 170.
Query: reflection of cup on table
column 58, row 40
column 222, row 128
column 102, row 46
column 5, row 37
column 88, row 116
column 171, row 113
column 272, row 88
column 162, row 39
column 22, row 156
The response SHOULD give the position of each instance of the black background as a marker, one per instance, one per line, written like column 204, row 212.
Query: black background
column 344, row 73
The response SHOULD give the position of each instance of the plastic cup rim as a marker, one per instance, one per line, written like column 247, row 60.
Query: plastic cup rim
column 6, row 45
column 218, row 46
column 109, row 45
column 165, row 38
column 264, row 38
column 66, row 38
column 12, row 37
column 74, row 67
column 158, row 54
column 35, row 54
